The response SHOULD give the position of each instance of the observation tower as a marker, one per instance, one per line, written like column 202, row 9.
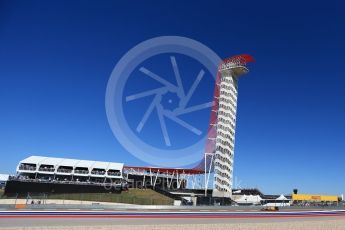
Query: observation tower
column 219, row 150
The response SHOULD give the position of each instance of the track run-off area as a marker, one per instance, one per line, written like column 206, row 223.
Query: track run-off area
column 169, row 214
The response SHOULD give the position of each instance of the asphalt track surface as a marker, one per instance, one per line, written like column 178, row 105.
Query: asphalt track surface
column 149, row 217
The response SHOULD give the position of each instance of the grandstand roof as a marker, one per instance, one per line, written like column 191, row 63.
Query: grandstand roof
column 39, row 160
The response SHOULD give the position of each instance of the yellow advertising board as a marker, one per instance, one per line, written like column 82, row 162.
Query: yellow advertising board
column 316, row 198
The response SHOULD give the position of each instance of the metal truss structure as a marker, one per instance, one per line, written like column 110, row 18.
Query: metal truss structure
column 151, row 175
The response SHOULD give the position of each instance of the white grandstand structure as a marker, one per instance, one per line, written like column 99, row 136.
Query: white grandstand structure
column 63, row 175
column 62, row 169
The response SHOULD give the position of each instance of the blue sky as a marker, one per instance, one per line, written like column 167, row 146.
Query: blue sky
column 56, row 58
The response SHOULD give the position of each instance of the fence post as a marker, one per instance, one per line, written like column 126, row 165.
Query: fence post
column 27, row 197
column 15, row 201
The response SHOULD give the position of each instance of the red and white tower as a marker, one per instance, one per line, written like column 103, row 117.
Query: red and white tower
column 219, row 151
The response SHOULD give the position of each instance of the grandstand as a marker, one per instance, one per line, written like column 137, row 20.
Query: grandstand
column 61, row 175
column 40, row 174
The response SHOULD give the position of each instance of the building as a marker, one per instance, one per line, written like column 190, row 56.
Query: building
column 314, row 198
column 60, row 169
column 61, row 175
column 219, row 151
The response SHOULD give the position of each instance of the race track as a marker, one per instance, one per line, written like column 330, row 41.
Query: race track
column 82, row 218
